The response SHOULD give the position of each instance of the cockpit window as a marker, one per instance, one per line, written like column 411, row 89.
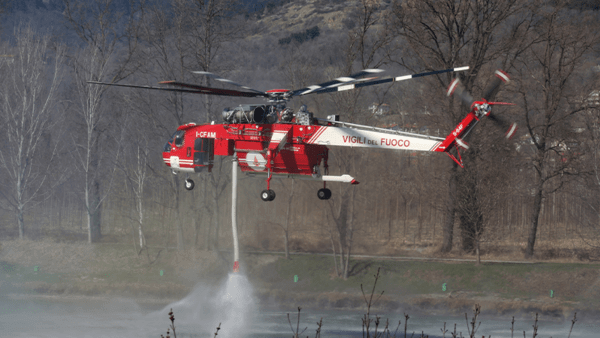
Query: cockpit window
column 176, row 139
column 178, row 136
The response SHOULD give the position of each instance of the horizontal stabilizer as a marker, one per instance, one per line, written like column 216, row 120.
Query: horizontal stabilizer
column 344, row 179
column 322, row 178
column 462, row 143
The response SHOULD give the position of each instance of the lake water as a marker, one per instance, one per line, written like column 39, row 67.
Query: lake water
column 199, row 313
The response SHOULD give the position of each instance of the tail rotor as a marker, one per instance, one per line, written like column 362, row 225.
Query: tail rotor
column 477, row 110
column 456, row 87
column 492, row 89
column 483, row 107
column 490, row 92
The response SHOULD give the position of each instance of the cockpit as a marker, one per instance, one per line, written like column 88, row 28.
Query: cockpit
column 195, row 155
column 176, row 140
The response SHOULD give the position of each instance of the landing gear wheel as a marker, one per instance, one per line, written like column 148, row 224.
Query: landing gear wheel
column 189, row 184
column 267, row 195
column 324, row 194
column 264, row 195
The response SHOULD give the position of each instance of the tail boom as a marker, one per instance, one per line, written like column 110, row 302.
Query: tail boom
column 454, row 140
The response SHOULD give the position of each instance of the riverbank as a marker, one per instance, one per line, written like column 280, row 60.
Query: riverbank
column 67, row 270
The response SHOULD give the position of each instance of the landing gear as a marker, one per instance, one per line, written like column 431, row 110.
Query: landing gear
column 189, row 184
column 267, row 195
column 324, row 194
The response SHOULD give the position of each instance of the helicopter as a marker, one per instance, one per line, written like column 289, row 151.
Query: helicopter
column 271, row 139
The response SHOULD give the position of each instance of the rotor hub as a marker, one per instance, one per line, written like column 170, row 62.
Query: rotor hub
column 278, row 95
column 482, row 109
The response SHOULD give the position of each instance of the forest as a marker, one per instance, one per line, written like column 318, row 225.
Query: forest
column 82, row 162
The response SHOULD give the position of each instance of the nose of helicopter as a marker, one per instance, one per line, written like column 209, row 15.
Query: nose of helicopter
column 166, row 159
column 167, row 151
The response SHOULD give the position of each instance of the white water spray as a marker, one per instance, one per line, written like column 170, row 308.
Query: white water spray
column 236, row 306
column 233, row 305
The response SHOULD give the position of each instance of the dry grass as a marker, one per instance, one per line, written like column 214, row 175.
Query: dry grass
column 105, row 269
column 60, row 258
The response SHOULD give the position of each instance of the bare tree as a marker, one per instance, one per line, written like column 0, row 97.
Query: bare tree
column 586, row 188
column 343, row 215
column 486, row 186
column 213, row 23
column 450, row 33
column 31, row 77
column 136, row 169
column 138, row 181
column 550, row 90
column 363, row 48
column 88, row 152
column 109, row 56
column 168, row 53
column 184, row 37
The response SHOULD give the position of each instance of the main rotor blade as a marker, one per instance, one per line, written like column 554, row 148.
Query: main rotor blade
column 213, row 91
column 218, row 78
column 492, row 89
column 387, row 80
column 130, row 86
column 194, row 89
column 336, row 82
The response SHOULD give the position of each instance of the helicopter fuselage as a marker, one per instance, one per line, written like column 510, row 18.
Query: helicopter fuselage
column 192, row 148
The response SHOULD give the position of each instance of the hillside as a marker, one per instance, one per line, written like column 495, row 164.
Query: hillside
column 296, row 16
column 272, row 17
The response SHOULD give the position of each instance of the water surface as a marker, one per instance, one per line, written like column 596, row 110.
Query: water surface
column 233, row 305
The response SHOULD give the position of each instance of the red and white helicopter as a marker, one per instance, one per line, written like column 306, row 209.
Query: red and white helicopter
column 272, row 140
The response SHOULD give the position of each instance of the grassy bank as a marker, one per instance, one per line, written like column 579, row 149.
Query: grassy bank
column 557, row 288
column 44, row 267
column 49, row 268
column 571, row 281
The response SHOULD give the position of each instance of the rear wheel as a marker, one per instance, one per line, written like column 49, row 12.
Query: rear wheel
column 267, row 195
column 324, row 194
column 189, row 184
